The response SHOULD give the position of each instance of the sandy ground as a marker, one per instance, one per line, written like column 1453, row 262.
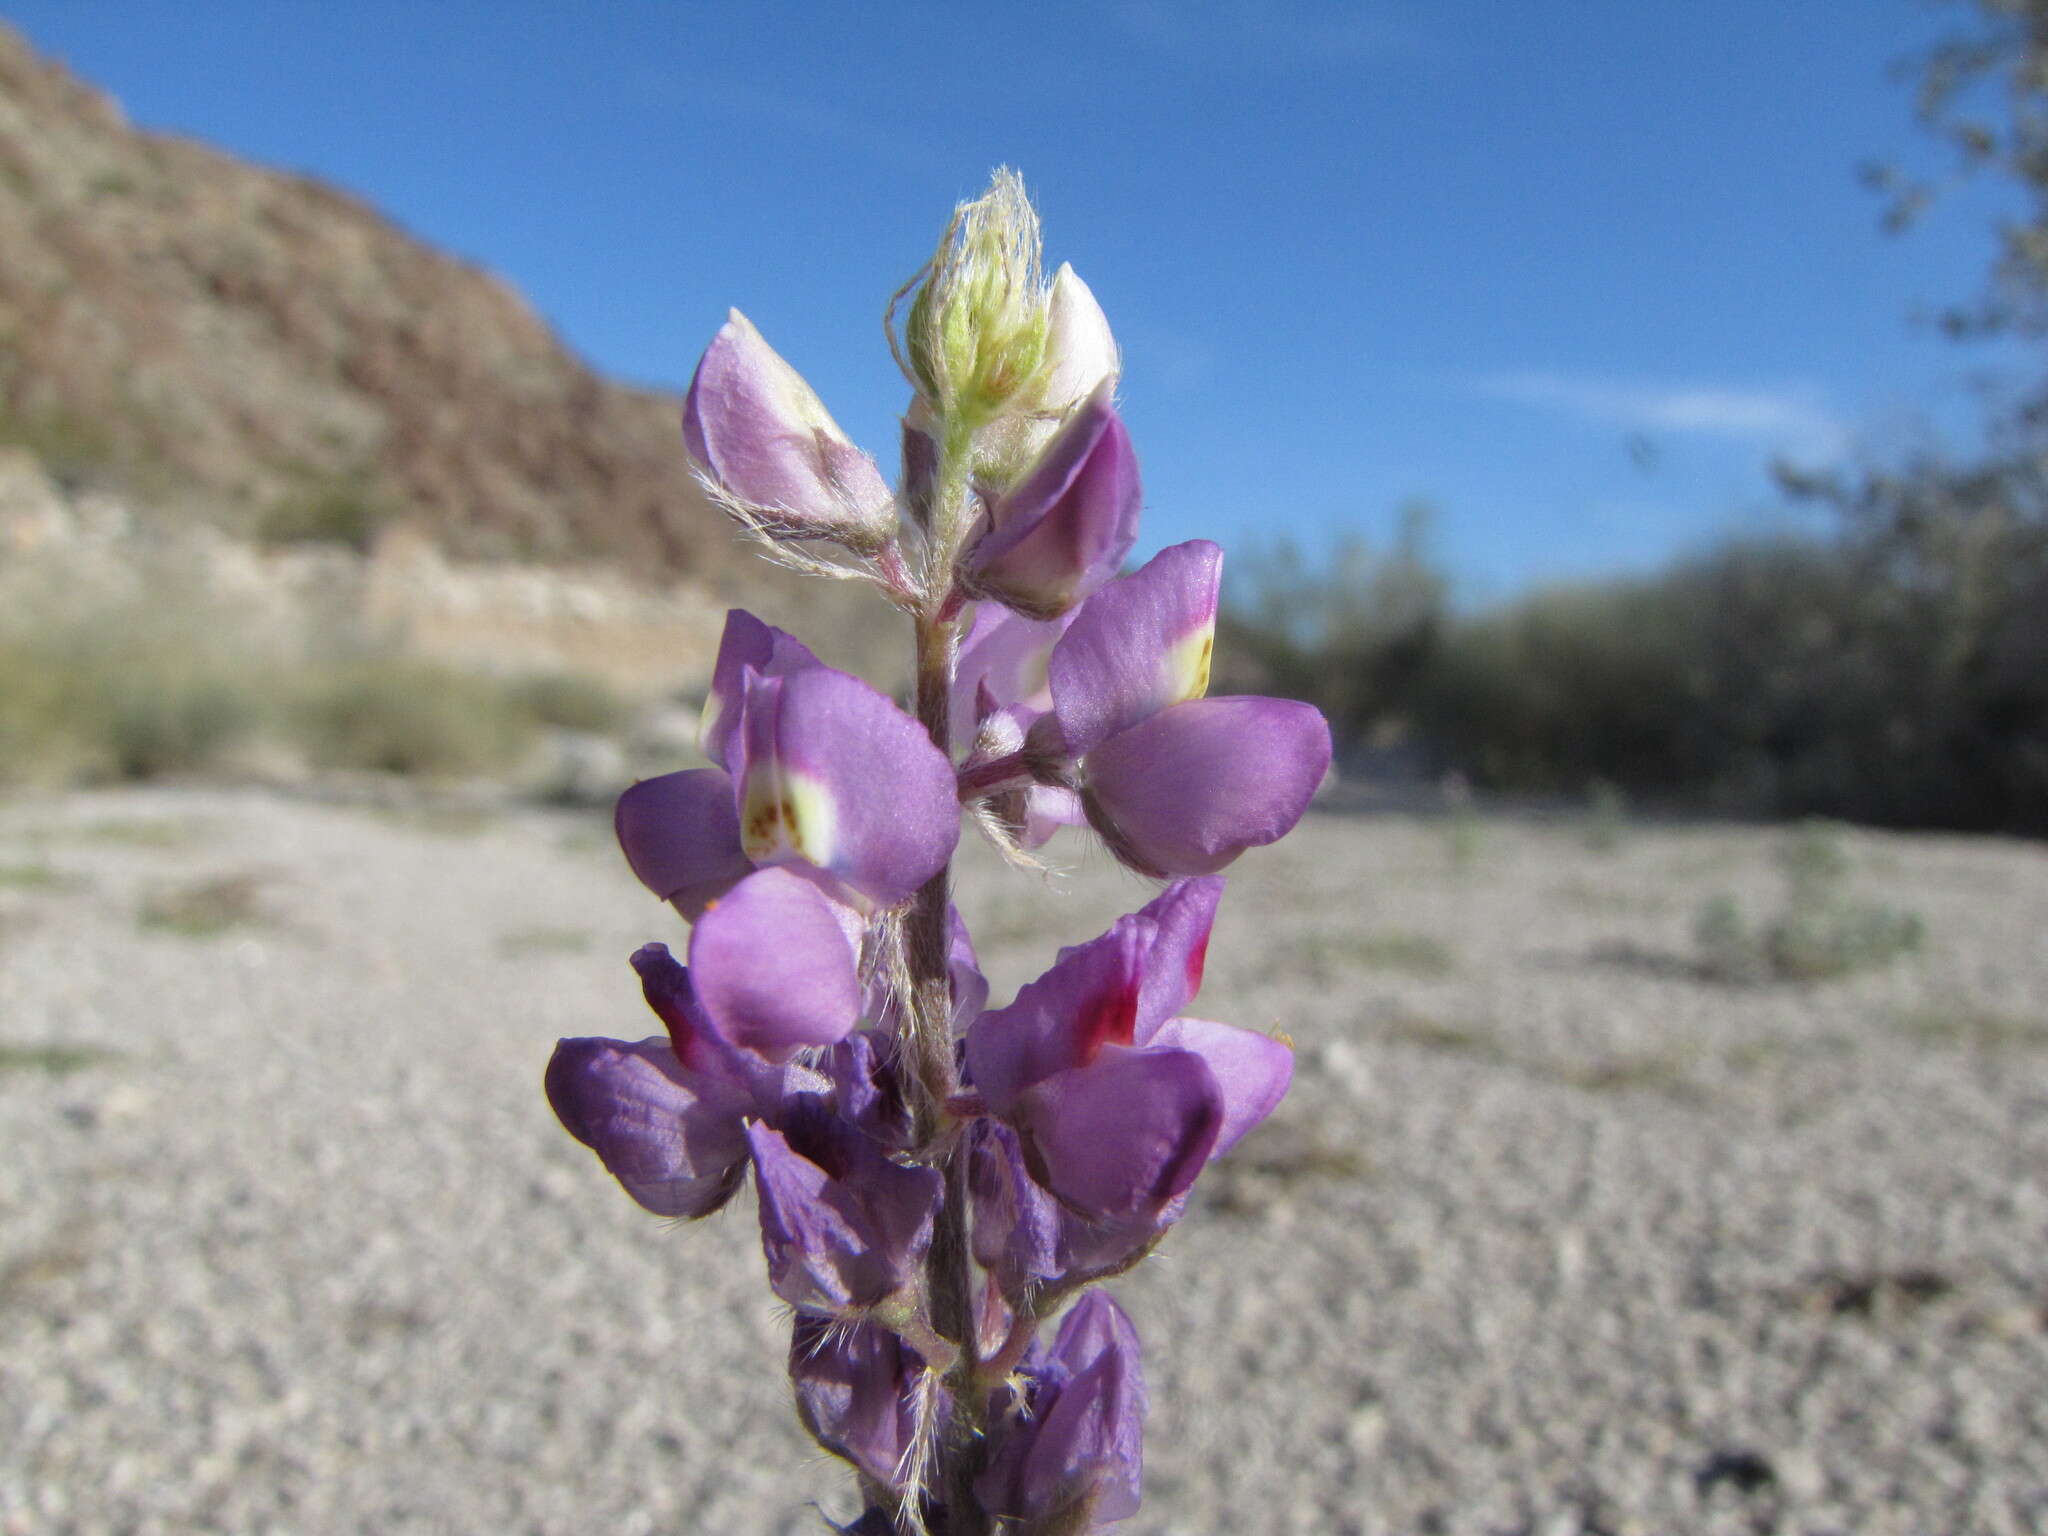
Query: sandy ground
column 1553, row 1236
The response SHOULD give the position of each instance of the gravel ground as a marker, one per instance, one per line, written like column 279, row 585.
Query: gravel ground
column 1553, row 1236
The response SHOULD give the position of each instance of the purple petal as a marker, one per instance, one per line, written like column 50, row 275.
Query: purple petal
column 1007, row 654
column 1026, row 1238
column 764, row 435
column 970, row 987
column 1047, row 809
column 855, row 1393
column 1093, row 1436
column 833, row 774
column 1077, row 1446
column 865, row 1091
column 1187, row 791
column 1125, row 1134
column 1064, row 529
column 1179, row 919
column 681, row 836
column 771, row 966
column 673, row 1138
column 746, row 643
column 841, row 1225
column 1016, row 1224
column 1138, row 646
column 1087, row 999
column 1252, row 1069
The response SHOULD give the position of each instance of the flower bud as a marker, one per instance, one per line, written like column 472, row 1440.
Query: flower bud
column 977, row 329
column 857, row 1392
column 762, row 434
column 1080, row 352
column 1073, row 1457
column 1065, row 528
column 842, row 1226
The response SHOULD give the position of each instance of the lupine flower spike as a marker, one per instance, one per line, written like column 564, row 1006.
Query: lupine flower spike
column 938, row 1180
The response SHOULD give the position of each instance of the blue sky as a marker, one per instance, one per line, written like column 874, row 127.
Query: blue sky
column 1574, row 273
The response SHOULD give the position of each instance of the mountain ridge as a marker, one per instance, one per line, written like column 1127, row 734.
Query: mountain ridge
column 252, row 340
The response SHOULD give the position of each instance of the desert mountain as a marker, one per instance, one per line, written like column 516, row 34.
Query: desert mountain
column 251, row 340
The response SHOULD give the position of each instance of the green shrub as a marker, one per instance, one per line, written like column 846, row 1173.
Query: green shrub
column 1818, row 934
column 338, row 509
column 569, row 701
column 412, row 717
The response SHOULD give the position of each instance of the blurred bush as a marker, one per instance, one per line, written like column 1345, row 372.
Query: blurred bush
column 1819, row 932
column 398, row 716
column 161, row 689
column 1894, row 673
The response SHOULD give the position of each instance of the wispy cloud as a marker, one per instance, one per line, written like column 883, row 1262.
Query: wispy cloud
column 1284, row 32
column 1793, row 419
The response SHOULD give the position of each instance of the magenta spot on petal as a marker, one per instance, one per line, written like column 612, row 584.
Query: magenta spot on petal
column 1198, row 957
column 1110, row 1018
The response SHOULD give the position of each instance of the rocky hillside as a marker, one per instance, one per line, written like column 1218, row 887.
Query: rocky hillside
column 271, row 348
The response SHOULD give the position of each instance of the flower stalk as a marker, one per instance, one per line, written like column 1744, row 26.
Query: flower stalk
column 940, row 1179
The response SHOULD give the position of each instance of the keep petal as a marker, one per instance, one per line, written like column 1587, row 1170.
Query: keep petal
column 1178, row 919
column 1087, row 999
column 1006, row 653
column 1125, row 1134
column 1190, row 789
column 1138, row 646
column 833, row 774
column 746, row 643
column 1065, row 528
column 844, row 1233
column 1077, row 1446
column 1252, row 1069
column 854, row 1393
column 771, row 966
column 675, row 1139
column 681, row 836
column 764, row 435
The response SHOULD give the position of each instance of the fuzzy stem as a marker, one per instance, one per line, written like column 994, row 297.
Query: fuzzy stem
column 949, row 1280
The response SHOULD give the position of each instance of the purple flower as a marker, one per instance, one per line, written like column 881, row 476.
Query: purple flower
column 1175, row 783
column 817, row 771
column 843, row 1227
column 1073, row 1449
column 1065, row 527
column 1029, row 1242
column 674, row 1138
column 857, row 1392
column 1000, row 691
column 1117, row 1102
column 765, row 438
column 667, row 1118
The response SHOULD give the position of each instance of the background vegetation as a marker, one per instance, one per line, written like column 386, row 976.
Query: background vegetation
column 1894, row 670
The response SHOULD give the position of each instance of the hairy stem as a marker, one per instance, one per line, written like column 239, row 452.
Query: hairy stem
column 928, row 1018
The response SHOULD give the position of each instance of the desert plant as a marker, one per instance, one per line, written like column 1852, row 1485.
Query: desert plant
column 936, row 1179
column 1819, row 931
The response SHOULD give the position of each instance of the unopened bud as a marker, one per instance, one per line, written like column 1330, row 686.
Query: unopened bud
column 977, row 329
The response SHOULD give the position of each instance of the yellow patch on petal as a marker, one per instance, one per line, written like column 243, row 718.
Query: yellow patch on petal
column 787, row 815
column 1184, row 670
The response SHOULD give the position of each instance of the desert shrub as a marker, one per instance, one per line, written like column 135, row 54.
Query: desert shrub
column 399, row 716
column 1352, row 633
column 569, row 701
column 99, row 702
column 1819, row 931
column 330, row 509
column 176, row 723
